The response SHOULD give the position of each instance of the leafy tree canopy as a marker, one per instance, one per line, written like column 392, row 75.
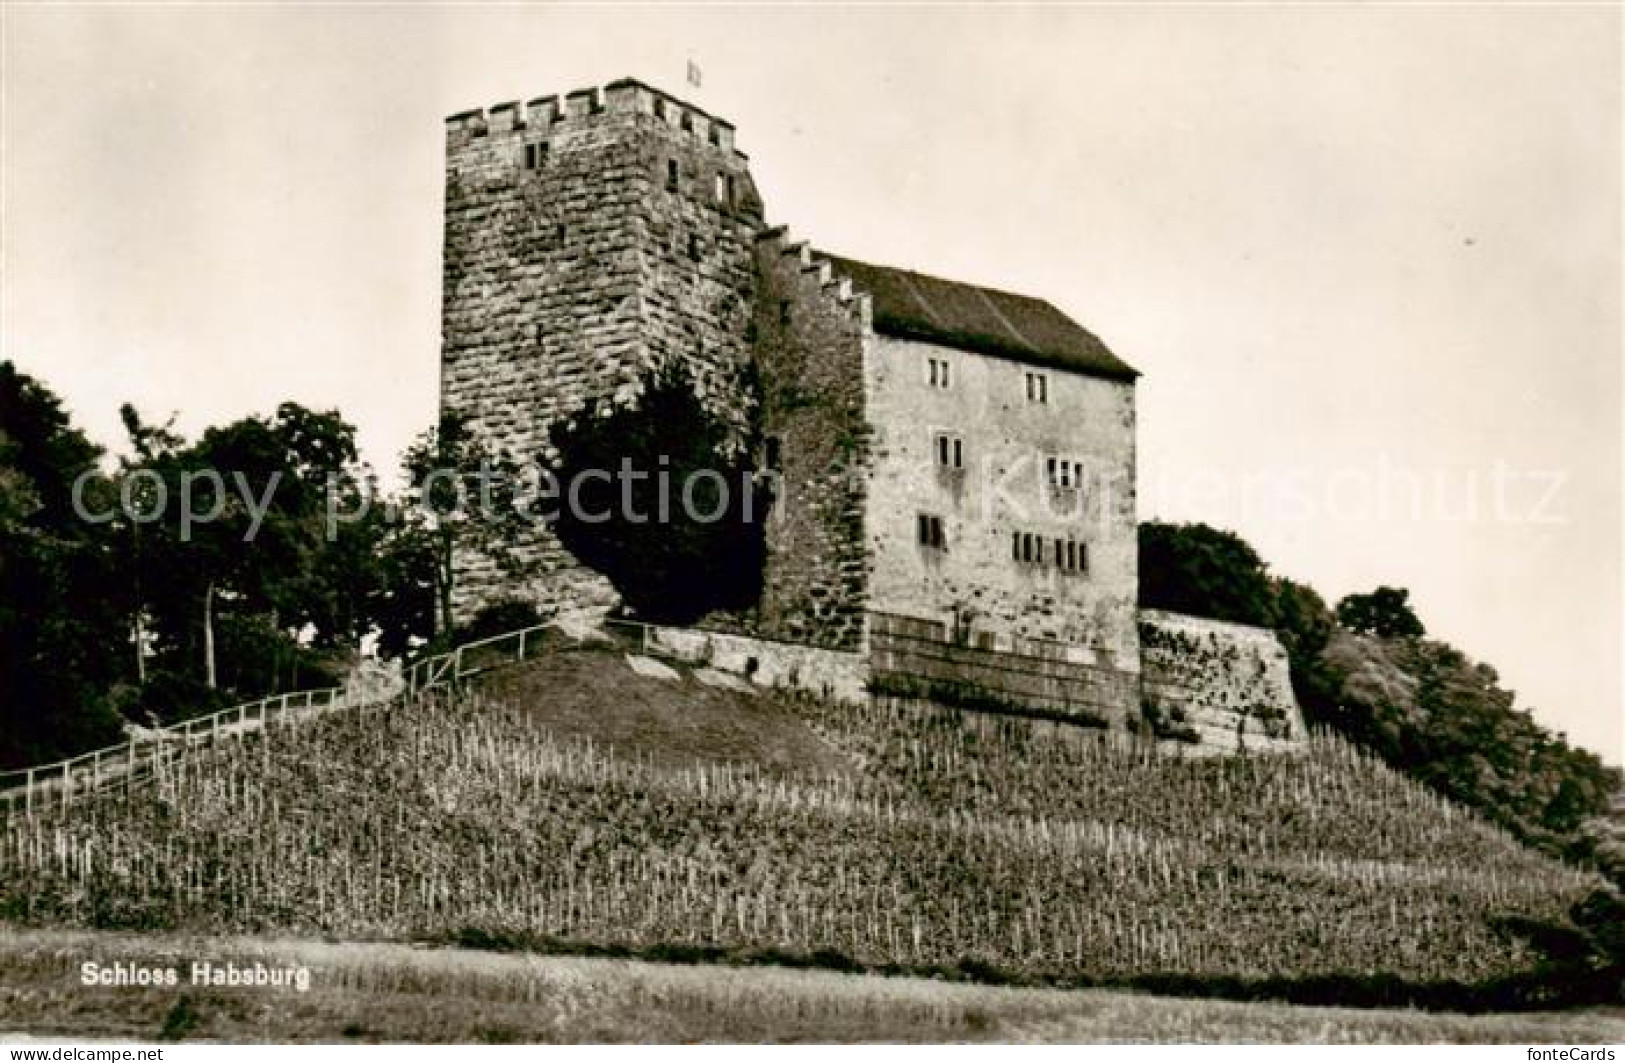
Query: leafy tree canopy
column 683, row 535
column 1385, row 612
column 1202, row 571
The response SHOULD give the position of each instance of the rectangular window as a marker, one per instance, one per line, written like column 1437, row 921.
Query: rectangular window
column 671, row 175
column 722, row 191
column 1064, row 472
column 950, row 451
column 1037, row 387
column 530, row 156
column 937, row 372
column 931, row 533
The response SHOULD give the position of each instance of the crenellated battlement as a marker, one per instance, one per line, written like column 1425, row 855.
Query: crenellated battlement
column 829, row 279
column 627, row 96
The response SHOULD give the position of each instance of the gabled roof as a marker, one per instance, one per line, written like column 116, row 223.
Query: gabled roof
column 985, row 320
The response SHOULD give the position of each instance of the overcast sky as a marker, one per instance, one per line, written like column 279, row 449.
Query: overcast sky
column 1367, row 258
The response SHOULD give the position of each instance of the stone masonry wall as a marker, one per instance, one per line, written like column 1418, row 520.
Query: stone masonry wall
column 588, row 241
column 975, row 580
column 921, row 658
column 809, row 332
column 1218, row 687
column 833, row 674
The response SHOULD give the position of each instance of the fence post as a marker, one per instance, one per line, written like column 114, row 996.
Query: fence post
column 522, row 635
column 457, row 665
column 67, row 785
column 28, row 793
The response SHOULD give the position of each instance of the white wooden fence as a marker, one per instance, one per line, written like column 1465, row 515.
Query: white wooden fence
column 58, row 785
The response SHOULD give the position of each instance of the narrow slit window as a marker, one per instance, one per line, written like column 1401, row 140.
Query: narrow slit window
column 931, row 533
column 671, row 175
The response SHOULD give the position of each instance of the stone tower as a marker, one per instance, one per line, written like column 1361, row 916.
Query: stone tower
column 588, row 240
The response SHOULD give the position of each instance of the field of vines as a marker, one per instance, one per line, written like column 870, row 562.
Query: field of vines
column 953, row 837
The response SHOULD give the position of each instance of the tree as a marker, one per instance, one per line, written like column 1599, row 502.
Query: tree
column 1202, row 571
column 1385, row 612
column 462, row 495
column 680, row 529
column 59, row 623
column 241, row 567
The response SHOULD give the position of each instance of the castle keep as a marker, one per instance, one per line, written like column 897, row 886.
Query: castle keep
column 956, row 464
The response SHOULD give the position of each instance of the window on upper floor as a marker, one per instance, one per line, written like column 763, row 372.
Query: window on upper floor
column 937, row 373
column 1064, row 472
column 1037, row 387
column 930, row 532
column 1067, row 555
column 721, row 190
column 671, row 175
column 949, row 450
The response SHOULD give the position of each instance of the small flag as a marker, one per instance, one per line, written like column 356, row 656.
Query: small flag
column 694, row 73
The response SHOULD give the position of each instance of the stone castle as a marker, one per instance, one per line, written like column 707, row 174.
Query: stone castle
column 957, row 463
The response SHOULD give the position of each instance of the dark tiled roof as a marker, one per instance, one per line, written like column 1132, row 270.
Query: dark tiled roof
column 918, row 307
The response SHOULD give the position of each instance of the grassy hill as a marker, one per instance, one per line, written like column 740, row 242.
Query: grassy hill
column 573, row 803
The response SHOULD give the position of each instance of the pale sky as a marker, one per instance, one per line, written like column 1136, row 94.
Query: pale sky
column 1368, row 258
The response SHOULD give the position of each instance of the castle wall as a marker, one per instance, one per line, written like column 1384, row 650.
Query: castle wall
column 915, row 658
column 572, row 265
column 1219, row 687
column 833, row 674
column 975, row 581
column 809, row 333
